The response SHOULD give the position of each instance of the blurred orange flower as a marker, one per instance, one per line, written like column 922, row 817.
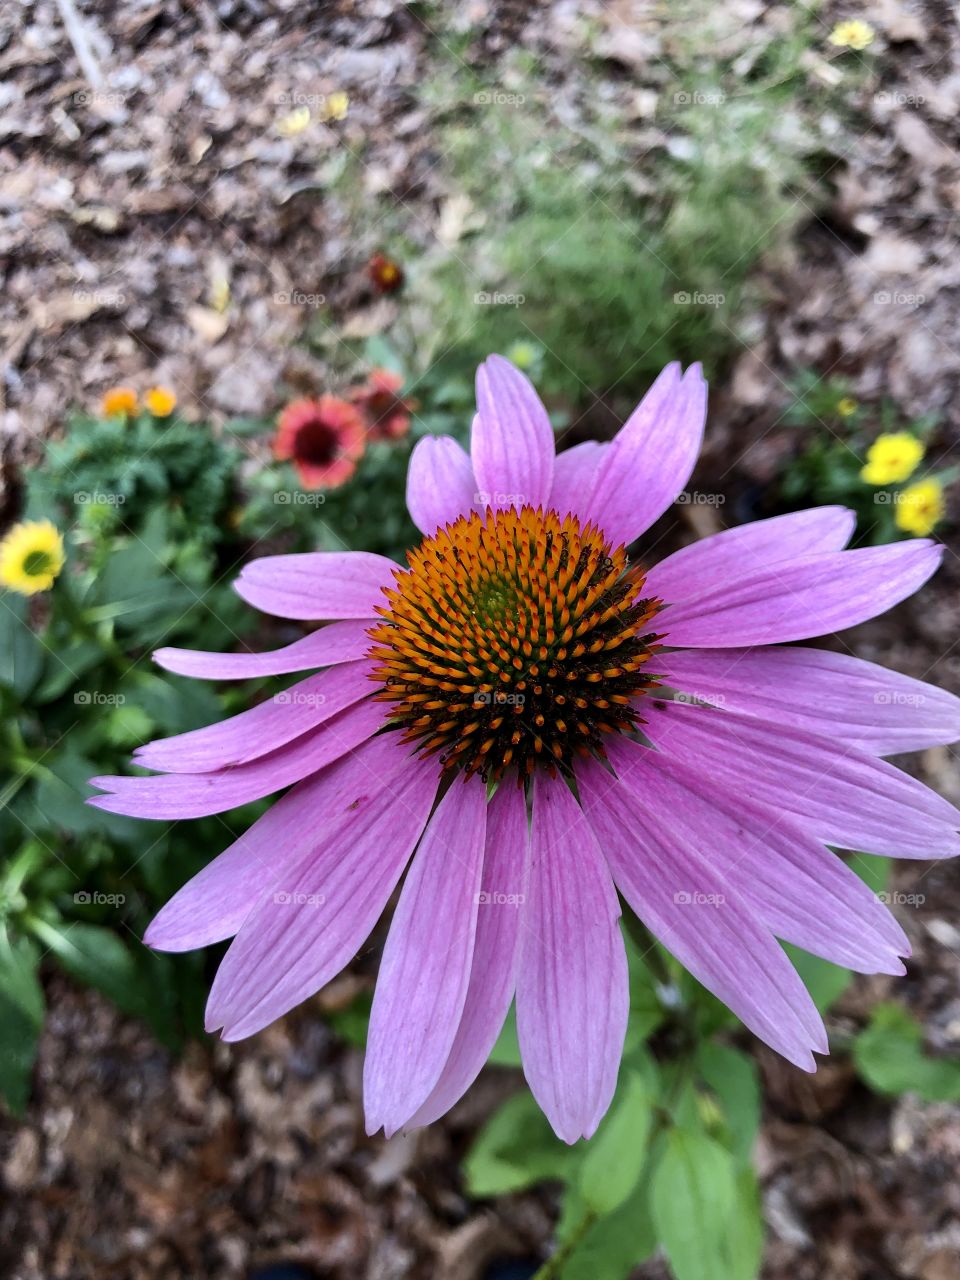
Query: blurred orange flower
column 119, row 402
column 324, row 439
column 161, row 401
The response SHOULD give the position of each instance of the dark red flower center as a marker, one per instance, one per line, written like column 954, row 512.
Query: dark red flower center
column 317, row 443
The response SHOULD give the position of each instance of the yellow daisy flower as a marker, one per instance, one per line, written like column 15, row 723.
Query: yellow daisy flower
column 892, row 458
column 31, row 557
column 854, row 33
column 336, row 106
column 161, row 401
column 919, row 507
column 119, row 402
column 846, row 407
column 297, row 120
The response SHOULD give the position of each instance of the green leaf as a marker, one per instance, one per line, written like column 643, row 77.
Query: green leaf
column 506, row 1052
column 703, row 1215
column 617, row 1153
column 21, row 652
column 21, row 1018
column 514, row 1149
column 889, row 1056
column 99, row 958
column 613, row 1245
column 826, row 982
column 733, row 1077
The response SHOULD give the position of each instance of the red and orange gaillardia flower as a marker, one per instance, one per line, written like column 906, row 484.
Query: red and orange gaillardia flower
column 387, row 414
column 324, row 439
column 384, row 273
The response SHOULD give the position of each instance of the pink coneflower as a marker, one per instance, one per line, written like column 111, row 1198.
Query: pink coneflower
column 539, row 722
column 323, row 438
column 386, row 413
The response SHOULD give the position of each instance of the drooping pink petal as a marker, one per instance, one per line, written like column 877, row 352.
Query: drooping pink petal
column 320, row 910
column 337, row 642
column 493, row 974
column 574, row 471
column 425, row 971
column 511, row 444
column 317, row 584
column 255, row 733
column 440, row 483
column 796, row 601
column 838, row 794
column 214, row 904
column 650, row 459
column 804, row 893
column 749, row 548
column 833, row 694
column 195, row 795
column 698, row 915
column 572, row 997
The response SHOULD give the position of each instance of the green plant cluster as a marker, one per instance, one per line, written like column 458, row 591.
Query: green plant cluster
column 834, row 435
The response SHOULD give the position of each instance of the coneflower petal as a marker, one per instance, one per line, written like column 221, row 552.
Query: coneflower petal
column 255, row 733
column 335, row 643
column 804, row 893
column 698, row 915
column 810, row 597
column 840, row 795
column 195, row 795
column 574, row 472
column 572, row 989
column 321, row 910
column 316, row 585
column 214, row 904
column 723, row 556
column 493, row 974
column 440, row 483
column 832, row 694
column 425, row 970
column 650, row 459
column 511, row 444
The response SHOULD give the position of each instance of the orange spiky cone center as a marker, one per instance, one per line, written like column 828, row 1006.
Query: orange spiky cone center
column 514, row 639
